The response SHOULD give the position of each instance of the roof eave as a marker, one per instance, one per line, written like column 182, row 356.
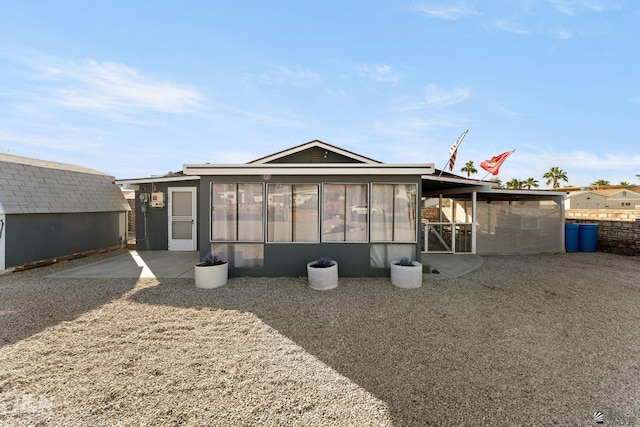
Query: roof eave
column 309, row 169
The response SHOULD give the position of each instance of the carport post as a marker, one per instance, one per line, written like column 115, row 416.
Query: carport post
column 474, row 199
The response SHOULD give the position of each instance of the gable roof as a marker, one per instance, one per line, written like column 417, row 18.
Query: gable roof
column 38, row 186
column 613, row 191
column 312, row 158
column 325, row 149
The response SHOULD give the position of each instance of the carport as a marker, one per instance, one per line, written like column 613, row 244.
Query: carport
column 468, row 216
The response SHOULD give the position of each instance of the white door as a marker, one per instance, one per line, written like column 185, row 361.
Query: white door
column 182, row 218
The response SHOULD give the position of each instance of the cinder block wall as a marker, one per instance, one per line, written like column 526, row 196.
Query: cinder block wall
column 618, row 229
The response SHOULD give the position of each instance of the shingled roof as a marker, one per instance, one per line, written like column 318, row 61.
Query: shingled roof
column 29, row 186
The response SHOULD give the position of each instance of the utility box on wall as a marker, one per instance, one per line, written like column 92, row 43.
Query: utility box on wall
column 157, row 200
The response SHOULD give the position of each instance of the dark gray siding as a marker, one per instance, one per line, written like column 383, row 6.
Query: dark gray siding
column 290, row 259
column 36, row 237
column 152, row 228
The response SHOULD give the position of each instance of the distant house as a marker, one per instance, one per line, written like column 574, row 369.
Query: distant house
column 271, row 216
column 609, row 198
column 50, row 210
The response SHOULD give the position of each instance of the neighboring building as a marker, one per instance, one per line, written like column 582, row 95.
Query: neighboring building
column 270, row 216
column 609, row 198
column 50, row 210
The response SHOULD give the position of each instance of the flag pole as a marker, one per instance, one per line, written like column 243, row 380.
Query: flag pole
column 499, row 164
column 454, row 150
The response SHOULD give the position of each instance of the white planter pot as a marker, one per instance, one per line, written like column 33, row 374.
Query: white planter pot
column 407, row 277
column 322, row 278
column 211, row 276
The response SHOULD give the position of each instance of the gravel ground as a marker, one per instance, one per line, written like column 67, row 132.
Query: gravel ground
column 524, row 340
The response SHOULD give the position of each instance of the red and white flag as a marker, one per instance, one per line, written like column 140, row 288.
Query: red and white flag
column 493, row 164
column 453, row 151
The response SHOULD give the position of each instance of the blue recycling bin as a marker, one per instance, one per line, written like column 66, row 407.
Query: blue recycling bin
column 587, row 237
column 571, row 237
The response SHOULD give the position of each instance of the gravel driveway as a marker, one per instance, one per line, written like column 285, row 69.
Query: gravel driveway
column 524, row 340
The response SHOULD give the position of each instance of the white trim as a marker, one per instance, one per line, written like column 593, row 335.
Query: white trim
column 138, row 181
column 193, row 218
column 321, row 169
column 3, row 232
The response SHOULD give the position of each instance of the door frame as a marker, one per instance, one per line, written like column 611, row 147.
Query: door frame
column 3, row 232
column 193, row 218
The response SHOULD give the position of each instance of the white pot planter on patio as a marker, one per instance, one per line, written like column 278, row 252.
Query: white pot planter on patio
column 211, row 276
column 322, row 278
column 406, row 276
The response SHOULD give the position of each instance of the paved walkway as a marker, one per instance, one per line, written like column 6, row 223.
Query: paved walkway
column 171, row 265
column 450, row 266
column 139, row 264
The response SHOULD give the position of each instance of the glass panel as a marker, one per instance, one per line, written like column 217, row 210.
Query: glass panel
column 395, row 208
column 381, row 255
column 345, row 213
column 181, row 204
column 279, row 219
column 356, row 221
column 241, row 255
column 333, row 212
column 305, row 213
column 223, row 212
column 250, row 212
column 181, row 230
column 292, row 213
column 382, row 202
column 404, row 213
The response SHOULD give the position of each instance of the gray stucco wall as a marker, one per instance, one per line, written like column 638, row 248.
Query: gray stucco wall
column 36, row 237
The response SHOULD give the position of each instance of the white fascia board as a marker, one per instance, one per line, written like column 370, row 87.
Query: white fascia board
column 310, row 169
column 157, row 179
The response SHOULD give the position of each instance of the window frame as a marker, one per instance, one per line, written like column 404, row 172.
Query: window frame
column 262, row 212
column 393, row 215
column 367, row 187
column 317, row 185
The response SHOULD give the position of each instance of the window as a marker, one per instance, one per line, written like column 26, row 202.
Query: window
column 345, row 212
column 395, row 205
column 236, row 212
column 625, row 203
column 292, row 212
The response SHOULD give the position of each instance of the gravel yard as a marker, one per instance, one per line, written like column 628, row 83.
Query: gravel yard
column 524, row 340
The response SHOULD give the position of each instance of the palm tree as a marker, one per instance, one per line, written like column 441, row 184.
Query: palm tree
column 600, row 183
column 624, row 183
column 497, row 181
column 554, row 175
column 530, row 182
column 514, row 183
column 469, row 168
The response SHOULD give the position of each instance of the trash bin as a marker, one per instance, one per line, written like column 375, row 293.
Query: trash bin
column 587, row 237
column 571, row 237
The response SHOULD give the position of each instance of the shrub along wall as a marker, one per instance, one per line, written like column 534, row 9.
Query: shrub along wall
column 618, row 229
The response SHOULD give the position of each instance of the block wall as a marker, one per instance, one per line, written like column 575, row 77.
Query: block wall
column 618, row 229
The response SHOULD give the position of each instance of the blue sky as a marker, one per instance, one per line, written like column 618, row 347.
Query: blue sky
column 139, row 88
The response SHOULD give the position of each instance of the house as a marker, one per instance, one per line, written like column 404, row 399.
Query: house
column 271, row 216
column 608, row 198
column 50, row 210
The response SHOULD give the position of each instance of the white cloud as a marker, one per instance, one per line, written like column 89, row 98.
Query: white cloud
column 510, row 26
column 115, row 87
column 295, row 77
column 561, row 33
column 445, row 13
column 438, row 96
column 382, row 73
column 570, row 7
